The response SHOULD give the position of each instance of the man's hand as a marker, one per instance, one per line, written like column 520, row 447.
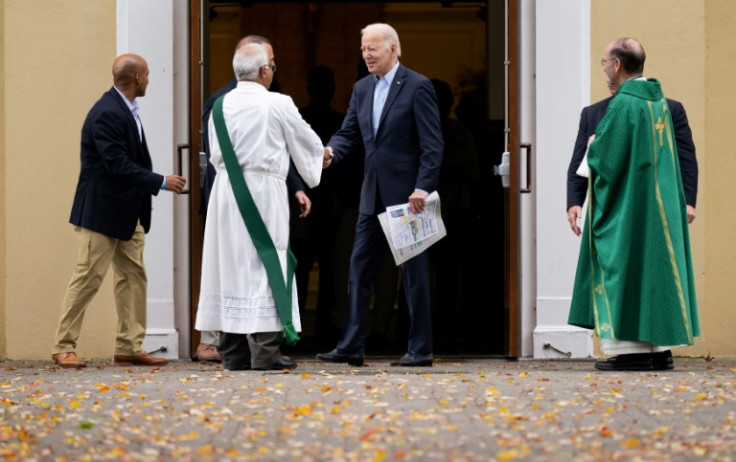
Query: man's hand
column 573, row 213
column 175, row 183
column 690, row 213
column 305, row 204
column 327, row 159
column 416, row 202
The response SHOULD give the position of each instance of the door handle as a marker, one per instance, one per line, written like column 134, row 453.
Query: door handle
column 503, row 169
column 528, row 148
column 179, row 163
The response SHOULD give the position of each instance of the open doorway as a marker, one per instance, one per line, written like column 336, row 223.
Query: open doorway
column 458, row 43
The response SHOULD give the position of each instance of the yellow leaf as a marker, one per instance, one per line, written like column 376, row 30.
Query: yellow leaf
column 523, row 374
column 630, row 443
column 508, row 455
column 305, row 376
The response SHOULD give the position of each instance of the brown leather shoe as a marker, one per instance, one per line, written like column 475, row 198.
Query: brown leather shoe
column 207, row 352
column 143, row 359
column 68, row 359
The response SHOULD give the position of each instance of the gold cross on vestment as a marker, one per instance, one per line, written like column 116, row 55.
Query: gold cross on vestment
column 659, row 126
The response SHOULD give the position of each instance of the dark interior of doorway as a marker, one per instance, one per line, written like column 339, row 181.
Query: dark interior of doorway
column 468, row 277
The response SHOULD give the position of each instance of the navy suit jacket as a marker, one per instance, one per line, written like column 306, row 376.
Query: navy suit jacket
column 406, row 152
column 115, row 180
column 577, row 186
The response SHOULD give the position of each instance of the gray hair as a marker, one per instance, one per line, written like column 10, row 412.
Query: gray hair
column 248, row 60
column 390, row 36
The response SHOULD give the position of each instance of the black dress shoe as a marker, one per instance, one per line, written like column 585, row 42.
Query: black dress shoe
column 637, row 362
column 279, row 365
column 662, row 361
column 409, row 360
column 334, row 356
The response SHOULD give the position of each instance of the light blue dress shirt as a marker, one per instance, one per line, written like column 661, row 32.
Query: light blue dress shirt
column 380, row 93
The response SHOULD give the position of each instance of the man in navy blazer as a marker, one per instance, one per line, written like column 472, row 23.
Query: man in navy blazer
column 393, row 112
column 577, row 186
column 111, row 214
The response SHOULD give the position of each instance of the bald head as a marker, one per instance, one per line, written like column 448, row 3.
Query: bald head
column 125, row 68
column 252, row 39
column 630, row 53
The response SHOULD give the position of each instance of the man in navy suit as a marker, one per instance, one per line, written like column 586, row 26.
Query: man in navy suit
column 393, row 112
column 577, row 186
column 112, row 213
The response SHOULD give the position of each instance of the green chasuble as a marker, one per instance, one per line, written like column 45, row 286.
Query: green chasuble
column 634, row 278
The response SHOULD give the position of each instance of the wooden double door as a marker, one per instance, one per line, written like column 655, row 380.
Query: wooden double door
column 472, row 48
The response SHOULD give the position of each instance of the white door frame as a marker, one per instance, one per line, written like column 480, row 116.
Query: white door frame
column 158, row 31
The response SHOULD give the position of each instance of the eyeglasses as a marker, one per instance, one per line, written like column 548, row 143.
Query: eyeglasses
column 603, row 61
column 272, row 66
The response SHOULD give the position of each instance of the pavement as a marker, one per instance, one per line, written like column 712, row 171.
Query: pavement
column 459, row 410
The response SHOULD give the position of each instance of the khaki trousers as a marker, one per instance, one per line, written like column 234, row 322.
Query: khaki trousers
column 96, row 252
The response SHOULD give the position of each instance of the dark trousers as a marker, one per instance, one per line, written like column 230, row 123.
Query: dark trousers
column 246, row 351
column 369, row 250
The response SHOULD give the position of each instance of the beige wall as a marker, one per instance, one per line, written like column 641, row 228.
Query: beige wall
column 3, row 337
column 689, row 46
column 57, row 62
column 717, row 176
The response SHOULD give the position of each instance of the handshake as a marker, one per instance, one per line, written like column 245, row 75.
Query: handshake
column 327, row 159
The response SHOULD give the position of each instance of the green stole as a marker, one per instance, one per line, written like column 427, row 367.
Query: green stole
column 282, row 292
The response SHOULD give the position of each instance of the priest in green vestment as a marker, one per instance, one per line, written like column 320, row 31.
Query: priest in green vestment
column 634, row 283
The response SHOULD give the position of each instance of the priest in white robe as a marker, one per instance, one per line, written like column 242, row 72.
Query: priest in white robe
column 265, row 130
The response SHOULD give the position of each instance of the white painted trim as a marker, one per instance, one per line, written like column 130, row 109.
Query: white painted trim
column 149, row 29
column 562, row 81
column 162, row 343
column 527, row 202
column 562, row 342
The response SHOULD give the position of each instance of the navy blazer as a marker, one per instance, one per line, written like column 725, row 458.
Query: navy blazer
column 406, row 152
column 115, row 180
column 577, row 186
